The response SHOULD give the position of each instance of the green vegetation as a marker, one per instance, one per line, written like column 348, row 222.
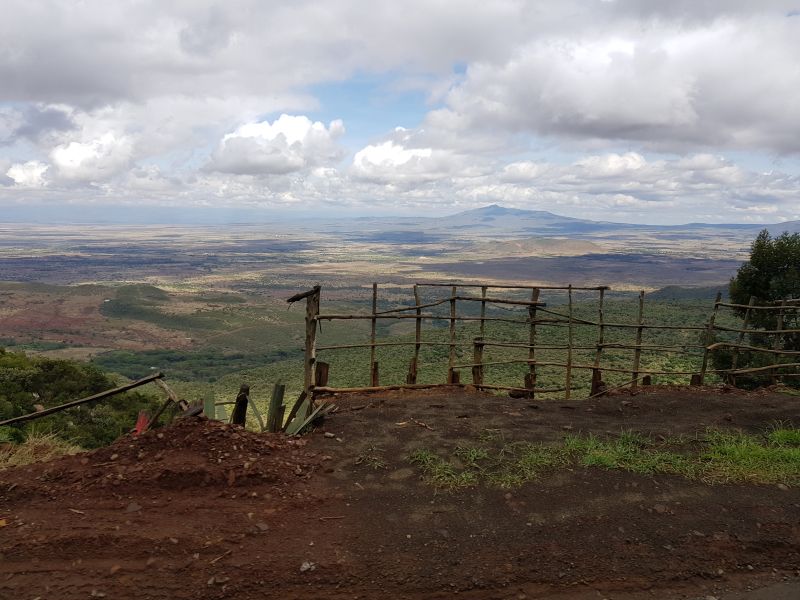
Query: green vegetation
column 732, row 456
column 207, row 365
column 716, row 457
column 142, row 302
column 26, row 382
column 771, row 274
column 630, row 452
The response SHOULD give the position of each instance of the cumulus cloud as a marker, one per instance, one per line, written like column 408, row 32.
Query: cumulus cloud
column 290, row 143
column 728, row 84
column 93, row 160
column 638, row 104
column 30, row 174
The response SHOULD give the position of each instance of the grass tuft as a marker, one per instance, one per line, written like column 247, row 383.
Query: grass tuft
column 736, row 457
column 37, row 447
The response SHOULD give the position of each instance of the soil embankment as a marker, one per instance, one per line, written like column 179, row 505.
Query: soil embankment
column 206, row 510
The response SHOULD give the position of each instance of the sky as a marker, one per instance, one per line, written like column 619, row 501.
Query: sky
column 618, row 110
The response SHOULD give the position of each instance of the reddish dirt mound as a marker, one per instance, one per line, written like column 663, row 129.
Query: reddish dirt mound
column 205, row 510
column 192, row 453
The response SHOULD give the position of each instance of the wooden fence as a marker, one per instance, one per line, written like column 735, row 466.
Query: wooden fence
column 537, row 315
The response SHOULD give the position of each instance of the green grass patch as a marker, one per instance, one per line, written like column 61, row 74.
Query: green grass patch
column 717, row 457
column 440, row 472
column 735, row 457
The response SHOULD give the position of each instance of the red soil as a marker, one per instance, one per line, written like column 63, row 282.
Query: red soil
column 205, row 510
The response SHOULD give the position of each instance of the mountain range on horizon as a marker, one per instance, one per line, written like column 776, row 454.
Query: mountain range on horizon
column 493, row 218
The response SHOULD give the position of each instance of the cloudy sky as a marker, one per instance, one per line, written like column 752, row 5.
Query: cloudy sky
column 640, row 111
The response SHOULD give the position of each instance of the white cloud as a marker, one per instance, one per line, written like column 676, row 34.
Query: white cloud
column 728, row 84
column 30, row 174
column 93, row 160
column 636, row 104
column 288, row 144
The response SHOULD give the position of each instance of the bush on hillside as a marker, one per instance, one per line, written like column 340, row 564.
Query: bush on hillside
column 29, row 381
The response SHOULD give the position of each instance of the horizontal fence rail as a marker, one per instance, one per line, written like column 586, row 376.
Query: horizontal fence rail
column 538, row 315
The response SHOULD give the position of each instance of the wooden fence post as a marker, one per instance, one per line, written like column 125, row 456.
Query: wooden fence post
column 568, row 374
column 374, row 375
column 452, row 358
column 600, row 331
column 637, row 353
column 740, row 340
column 598, row 387
column 530, row 379
column 776, row 345
column 477, row 359
column 321, row 373
column 412, row 370
column 483, row 311
column 239, row 415
column 274, row 416
column 708, row 336
column 372, row 335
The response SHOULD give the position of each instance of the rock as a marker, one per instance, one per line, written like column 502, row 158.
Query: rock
column 783, row 487
column 307, row 566
column 660, row 509
column 262, row 526
column 114, row 456
column 133, row 507
column 114, row 569
column 330, row 435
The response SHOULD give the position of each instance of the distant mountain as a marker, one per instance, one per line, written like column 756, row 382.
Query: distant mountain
column 499, row 219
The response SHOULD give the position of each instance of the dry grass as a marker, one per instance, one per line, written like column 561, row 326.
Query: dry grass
column 37, row 447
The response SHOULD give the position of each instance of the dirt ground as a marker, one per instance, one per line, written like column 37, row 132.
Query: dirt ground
column 206, row 510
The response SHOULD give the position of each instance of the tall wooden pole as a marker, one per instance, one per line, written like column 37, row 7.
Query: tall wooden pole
column 776, row 345
column 597, row 376
column 373, row 371
column 637, row 352
column 740, row 339
column 530, row 379
column 312, row 310
column 483, row 312
column 570, row 333
column 477, row 359
column 452, row 357
column 412, row 370
column 708, row 337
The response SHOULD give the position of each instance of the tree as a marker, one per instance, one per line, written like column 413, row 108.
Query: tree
column 773, row 271
column 772, row 274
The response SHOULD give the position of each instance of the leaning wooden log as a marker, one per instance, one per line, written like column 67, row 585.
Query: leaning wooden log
column 301, row 295
column 100, row 396
column 183, row 404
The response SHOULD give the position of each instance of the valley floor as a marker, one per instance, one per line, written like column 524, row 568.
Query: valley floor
column 206, row 510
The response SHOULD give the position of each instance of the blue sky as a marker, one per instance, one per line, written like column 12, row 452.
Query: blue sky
column 624, row 110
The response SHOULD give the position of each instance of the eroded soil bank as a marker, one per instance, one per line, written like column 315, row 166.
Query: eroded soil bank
column 205, row 510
